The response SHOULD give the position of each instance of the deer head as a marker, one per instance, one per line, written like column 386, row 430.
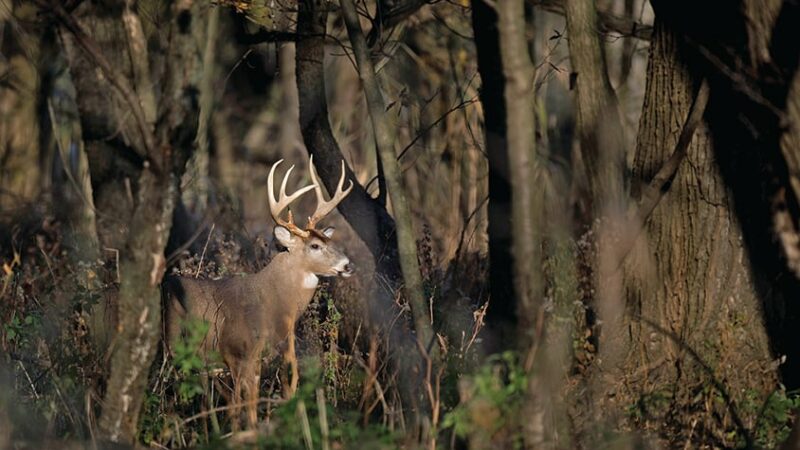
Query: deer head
column 318, row 256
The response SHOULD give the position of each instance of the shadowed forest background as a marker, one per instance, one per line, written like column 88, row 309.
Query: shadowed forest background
column 575, row 223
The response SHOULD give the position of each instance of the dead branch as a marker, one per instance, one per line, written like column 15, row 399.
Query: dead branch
column 658, row 186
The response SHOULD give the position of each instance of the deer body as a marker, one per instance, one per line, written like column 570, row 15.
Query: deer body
column 250, row 314
column 245, row 313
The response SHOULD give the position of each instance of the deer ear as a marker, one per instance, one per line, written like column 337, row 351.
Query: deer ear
column 328, row 232
column 284, row 236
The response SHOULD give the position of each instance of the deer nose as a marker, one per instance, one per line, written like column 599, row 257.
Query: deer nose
column 349, row 268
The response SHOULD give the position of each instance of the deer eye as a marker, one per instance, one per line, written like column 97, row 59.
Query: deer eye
column 315, row 246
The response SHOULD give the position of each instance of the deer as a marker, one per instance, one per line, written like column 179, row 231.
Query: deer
column 249, row 314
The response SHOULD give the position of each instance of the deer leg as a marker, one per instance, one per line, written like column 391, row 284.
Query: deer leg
column 235, row 403
column 174, row 313
column 290, row 357
column 250, row 383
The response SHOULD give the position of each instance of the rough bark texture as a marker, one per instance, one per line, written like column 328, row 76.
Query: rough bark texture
column 138, row 330
column 108, row 132
column 367, row 216
column 751, row 61
column 501, row 314
column 697, row 336
column 602, row 147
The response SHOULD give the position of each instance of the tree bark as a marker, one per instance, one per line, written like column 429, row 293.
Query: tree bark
column 141, row 268
column 694, row 310
column 23, row 164
column 155, row 156
column 602, row 148
column 527, row 202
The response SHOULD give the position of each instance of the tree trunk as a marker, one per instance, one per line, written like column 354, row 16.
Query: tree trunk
column 527, row 201
column 527, row 208
column 61, row 135
column 501, row 314
column 751, row 62
column 697, row 341
column 154, row 157
column 406, row 242
column 22, row 162
column 602, row 148
column 598, row 120
column 141, row 268
column 369, row 219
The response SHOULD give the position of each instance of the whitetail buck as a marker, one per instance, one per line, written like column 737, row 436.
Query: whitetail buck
column 256, row 312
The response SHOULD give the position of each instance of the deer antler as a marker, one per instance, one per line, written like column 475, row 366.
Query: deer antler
column 277, row 206
column 323, row 207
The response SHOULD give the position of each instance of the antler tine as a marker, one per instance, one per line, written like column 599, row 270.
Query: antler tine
column 276, row 206
column 325, row 207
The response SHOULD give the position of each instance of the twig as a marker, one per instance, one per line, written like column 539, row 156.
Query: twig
column 608, row 22
column 426, row 130
column 323, row 418
column 177, row 252
column 25, row 371
column 373, row 377
column 90, row 419
column 305, row 425
column 718, row 384
column 200, row 266
column 49, row 267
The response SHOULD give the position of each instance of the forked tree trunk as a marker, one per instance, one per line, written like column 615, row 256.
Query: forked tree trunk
column 369, row 219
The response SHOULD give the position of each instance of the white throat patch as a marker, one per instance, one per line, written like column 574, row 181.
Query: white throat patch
column 310, row 281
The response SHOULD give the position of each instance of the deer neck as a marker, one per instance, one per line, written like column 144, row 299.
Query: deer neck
column 286, row 283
